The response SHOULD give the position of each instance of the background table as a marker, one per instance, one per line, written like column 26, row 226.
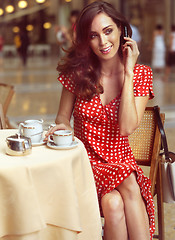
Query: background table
column 47, row 195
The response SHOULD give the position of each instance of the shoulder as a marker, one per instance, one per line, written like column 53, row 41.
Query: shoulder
column 67, row 80
column 140, row 69
column 65, row 76
column 142, row 74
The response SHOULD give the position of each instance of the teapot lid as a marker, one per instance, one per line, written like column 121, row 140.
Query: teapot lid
column 31, row 124
column 33, row 121
column 17, row 138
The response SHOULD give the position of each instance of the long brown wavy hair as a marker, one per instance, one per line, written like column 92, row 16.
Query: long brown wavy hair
column 80, row 59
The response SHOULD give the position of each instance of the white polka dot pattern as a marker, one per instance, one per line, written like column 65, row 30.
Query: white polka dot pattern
column 143, row 85
column 110, row 154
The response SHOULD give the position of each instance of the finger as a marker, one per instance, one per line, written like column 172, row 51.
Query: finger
column 130, row 45
column 126, row 49
column 127, row 38
column 50, row 132
column 130, row 42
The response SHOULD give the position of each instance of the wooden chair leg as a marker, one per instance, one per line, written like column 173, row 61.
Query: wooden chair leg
column 160, row 206
column 8, row 125
column 2, row 118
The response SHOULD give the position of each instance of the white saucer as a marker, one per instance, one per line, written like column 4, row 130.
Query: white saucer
column 64, row 147
column 38, row 143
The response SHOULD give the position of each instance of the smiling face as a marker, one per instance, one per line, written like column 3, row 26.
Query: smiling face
column 104, row 37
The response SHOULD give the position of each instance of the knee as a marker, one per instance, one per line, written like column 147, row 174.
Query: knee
column 113, row 206
column 129, row 188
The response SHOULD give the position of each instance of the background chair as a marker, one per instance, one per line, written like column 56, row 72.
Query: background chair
column 2, row 118
column 6, row 94
column 146, row 145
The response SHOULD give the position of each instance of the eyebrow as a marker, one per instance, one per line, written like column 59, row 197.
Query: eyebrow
column 107, row 27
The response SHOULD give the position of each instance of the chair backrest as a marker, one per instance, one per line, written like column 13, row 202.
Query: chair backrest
column 146, row 143
column 2, row 118
column 6, row 94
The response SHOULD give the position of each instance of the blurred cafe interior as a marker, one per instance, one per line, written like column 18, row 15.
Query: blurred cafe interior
column 40, row 16
column 36, row 89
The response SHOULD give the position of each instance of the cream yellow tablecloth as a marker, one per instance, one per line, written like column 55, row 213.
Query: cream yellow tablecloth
column 47, row 195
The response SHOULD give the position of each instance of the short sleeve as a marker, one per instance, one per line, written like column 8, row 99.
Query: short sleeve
column 67, row 81
column 143, row 81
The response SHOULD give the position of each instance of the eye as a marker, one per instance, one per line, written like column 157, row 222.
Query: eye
column 93, row 35
column 108, row 31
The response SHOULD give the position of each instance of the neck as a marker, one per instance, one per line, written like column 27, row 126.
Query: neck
column 111, row 67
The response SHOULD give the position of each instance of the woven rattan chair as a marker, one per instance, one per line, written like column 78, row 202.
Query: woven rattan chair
column 2, row 118
column 6, row 94
column 146, row 144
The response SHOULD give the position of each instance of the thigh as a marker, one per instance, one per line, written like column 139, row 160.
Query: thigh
column 129, row 185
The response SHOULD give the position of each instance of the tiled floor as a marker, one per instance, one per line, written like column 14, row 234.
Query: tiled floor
column 37, row 94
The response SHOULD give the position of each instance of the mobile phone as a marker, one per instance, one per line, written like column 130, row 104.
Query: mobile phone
column 125, row 31
column 125, row 34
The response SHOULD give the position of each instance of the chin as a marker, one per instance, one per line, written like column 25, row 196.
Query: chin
column 108, row 56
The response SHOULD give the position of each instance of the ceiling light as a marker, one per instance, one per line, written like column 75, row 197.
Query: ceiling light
column 9, row 9
column 40, row 1
column 29, row 27
column 16, row 29
column 22, row 4
column 1, row 11
column 47, row 25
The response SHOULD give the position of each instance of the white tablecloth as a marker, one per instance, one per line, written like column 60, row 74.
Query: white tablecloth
column 47, row 195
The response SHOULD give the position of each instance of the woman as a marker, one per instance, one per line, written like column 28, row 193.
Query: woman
column 107, row 92
column 171, row 53
column 158, row 49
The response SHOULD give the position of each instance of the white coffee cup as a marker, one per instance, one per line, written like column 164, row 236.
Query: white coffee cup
column 61, row 138
column 32, row 129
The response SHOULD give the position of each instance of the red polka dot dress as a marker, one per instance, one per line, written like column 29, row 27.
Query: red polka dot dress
column 110, row 154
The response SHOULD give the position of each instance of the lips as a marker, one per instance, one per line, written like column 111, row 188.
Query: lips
column 106, row 50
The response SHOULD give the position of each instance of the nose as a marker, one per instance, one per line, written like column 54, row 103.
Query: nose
column 102, row 39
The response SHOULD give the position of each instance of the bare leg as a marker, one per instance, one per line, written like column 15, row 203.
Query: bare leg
column 113, row 210
column 135, row 210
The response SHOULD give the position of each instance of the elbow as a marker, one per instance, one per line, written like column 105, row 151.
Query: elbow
column 127, row 130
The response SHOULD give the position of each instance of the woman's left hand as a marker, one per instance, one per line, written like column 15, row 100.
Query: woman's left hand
column 130, row 53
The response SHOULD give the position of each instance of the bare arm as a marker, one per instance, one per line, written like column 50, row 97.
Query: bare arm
column 131, row 108
column 64, row 112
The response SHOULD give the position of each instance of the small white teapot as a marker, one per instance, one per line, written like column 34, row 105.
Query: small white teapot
column 32, row 129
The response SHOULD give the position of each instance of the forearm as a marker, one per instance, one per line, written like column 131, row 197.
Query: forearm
column 128, row 116
column 64, row 112
column 63, row 121
column 65, row 109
